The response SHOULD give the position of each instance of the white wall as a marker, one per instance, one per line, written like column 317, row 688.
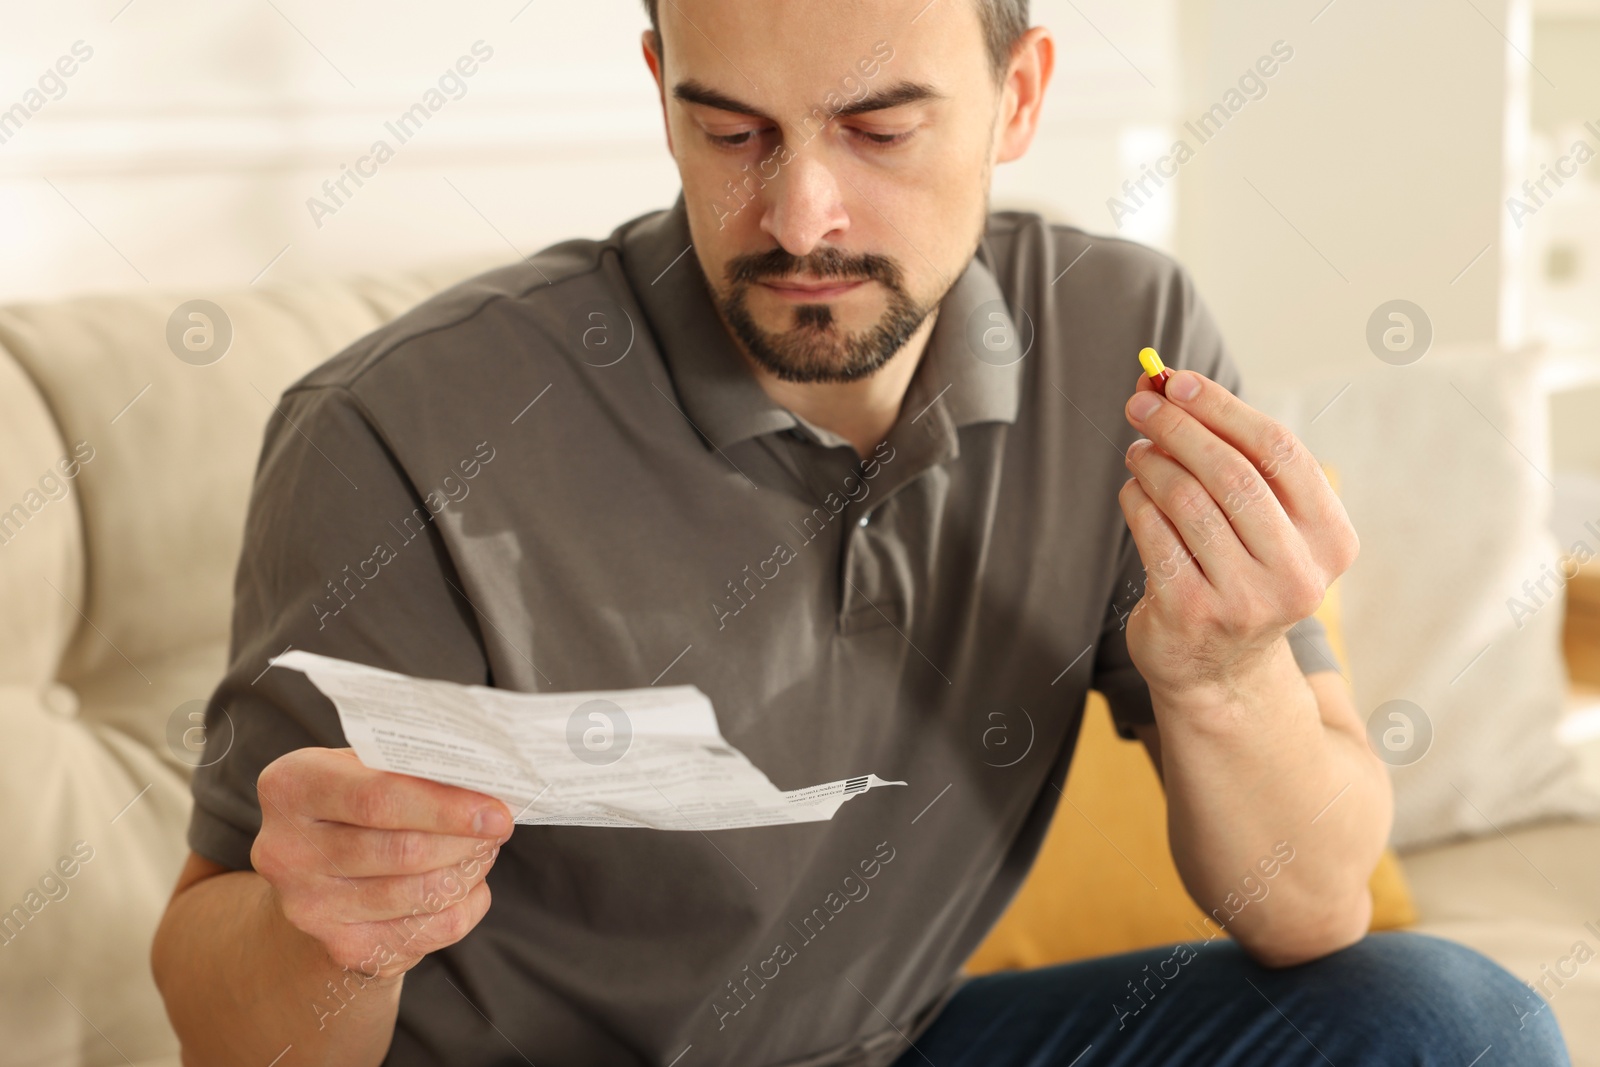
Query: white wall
column 1373, row 170
column 183, row 152
column 193, row 138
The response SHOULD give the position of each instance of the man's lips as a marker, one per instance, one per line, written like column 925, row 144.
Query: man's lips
column 792, row 289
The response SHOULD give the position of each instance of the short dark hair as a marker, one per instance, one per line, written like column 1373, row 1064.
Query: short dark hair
column 1003, row 21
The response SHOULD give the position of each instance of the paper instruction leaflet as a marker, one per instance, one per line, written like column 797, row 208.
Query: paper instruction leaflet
column 650, row 758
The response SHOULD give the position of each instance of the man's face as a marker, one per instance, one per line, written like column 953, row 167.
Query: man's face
column 835, row 159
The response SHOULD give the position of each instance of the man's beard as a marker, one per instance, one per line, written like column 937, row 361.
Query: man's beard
column 814, row 349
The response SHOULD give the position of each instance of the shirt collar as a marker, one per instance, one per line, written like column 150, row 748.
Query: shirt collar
column 972, row 366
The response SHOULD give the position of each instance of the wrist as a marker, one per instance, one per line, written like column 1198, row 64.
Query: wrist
column 1247, row 695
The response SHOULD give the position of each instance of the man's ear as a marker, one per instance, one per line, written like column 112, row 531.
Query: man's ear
column 650, row 43
column 1033, row 60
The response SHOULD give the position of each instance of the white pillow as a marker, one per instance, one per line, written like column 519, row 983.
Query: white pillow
column 1444, row 467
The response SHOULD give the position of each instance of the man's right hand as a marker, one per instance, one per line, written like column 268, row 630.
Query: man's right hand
column 380, row 868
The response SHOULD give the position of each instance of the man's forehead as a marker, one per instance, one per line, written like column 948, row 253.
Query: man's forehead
column 742, row 46
column 827, row 16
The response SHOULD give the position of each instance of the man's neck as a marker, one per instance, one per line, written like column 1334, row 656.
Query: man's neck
column 863, row 411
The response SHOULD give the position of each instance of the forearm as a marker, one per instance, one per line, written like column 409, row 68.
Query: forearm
column 241, row 983
column 1277, row 811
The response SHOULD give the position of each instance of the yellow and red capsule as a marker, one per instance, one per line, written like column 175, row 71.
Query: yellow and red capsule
column 1151, row 362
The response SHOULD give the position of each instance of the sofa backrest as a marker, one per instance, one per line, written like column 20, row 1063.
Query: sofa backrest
column 174, row 444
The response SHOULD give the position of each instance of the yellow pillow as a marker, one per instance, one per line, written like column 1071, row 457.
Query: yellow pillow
column 1104, row 881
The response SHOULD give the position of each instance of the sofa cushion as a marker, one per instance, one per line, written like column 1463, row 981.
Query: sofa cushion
column 1530, row 900
column 41, row 534
column 91, row 848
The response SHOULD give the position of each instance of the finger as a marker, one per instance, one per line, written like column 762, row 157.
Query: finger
column 335, row 786
column 1191, row 511
column 385, row 801
column 441, row 929
column 379, row 899
column 1169, row 568
column 1289, row 468
column 1225, row 473
column 360, row 852
column 390, row 946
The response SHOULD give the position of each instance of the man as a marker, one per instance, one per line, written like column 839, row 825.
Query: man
column 852, row 467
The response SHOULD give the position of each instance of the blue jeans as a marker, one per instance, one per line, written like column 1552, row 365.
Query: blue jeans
column 1390, row 999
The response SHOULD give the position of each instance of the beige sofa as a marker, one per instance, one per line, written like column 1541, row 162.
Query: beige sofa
column 124, row 473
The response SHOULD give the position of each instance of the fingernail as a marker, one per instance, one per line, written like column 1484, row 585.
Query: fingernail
column 1137, row 449
column 1185, row 385
column 490, row 822
column 1143, row 405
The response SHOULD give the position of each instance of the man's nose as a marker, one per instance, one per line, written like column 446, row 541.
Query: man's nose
column 804, row 207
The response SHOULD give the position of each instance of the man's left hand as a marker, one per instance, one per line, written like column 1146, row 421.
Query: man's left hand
column 1238, row 529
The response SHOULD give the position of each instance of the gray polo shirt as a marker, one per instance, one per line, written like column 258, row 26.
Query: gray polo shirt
column 560, row 476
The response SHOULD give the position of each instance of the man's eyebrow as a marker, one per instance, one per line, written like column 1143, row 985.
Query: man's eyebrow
column 693, row 92
column 897, row 95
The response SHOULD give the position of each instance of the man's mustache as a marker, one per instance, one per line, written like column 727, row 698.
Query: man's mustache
column 823, row 263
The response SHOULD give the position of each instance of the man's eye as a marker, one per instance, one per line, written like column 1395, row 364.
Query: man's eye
column 731, row 140
column 883, row 140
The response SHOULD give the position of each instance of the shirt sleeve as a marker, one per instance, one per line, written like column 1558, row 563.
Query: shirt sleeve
column 1189, row 333
column 341, row 556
